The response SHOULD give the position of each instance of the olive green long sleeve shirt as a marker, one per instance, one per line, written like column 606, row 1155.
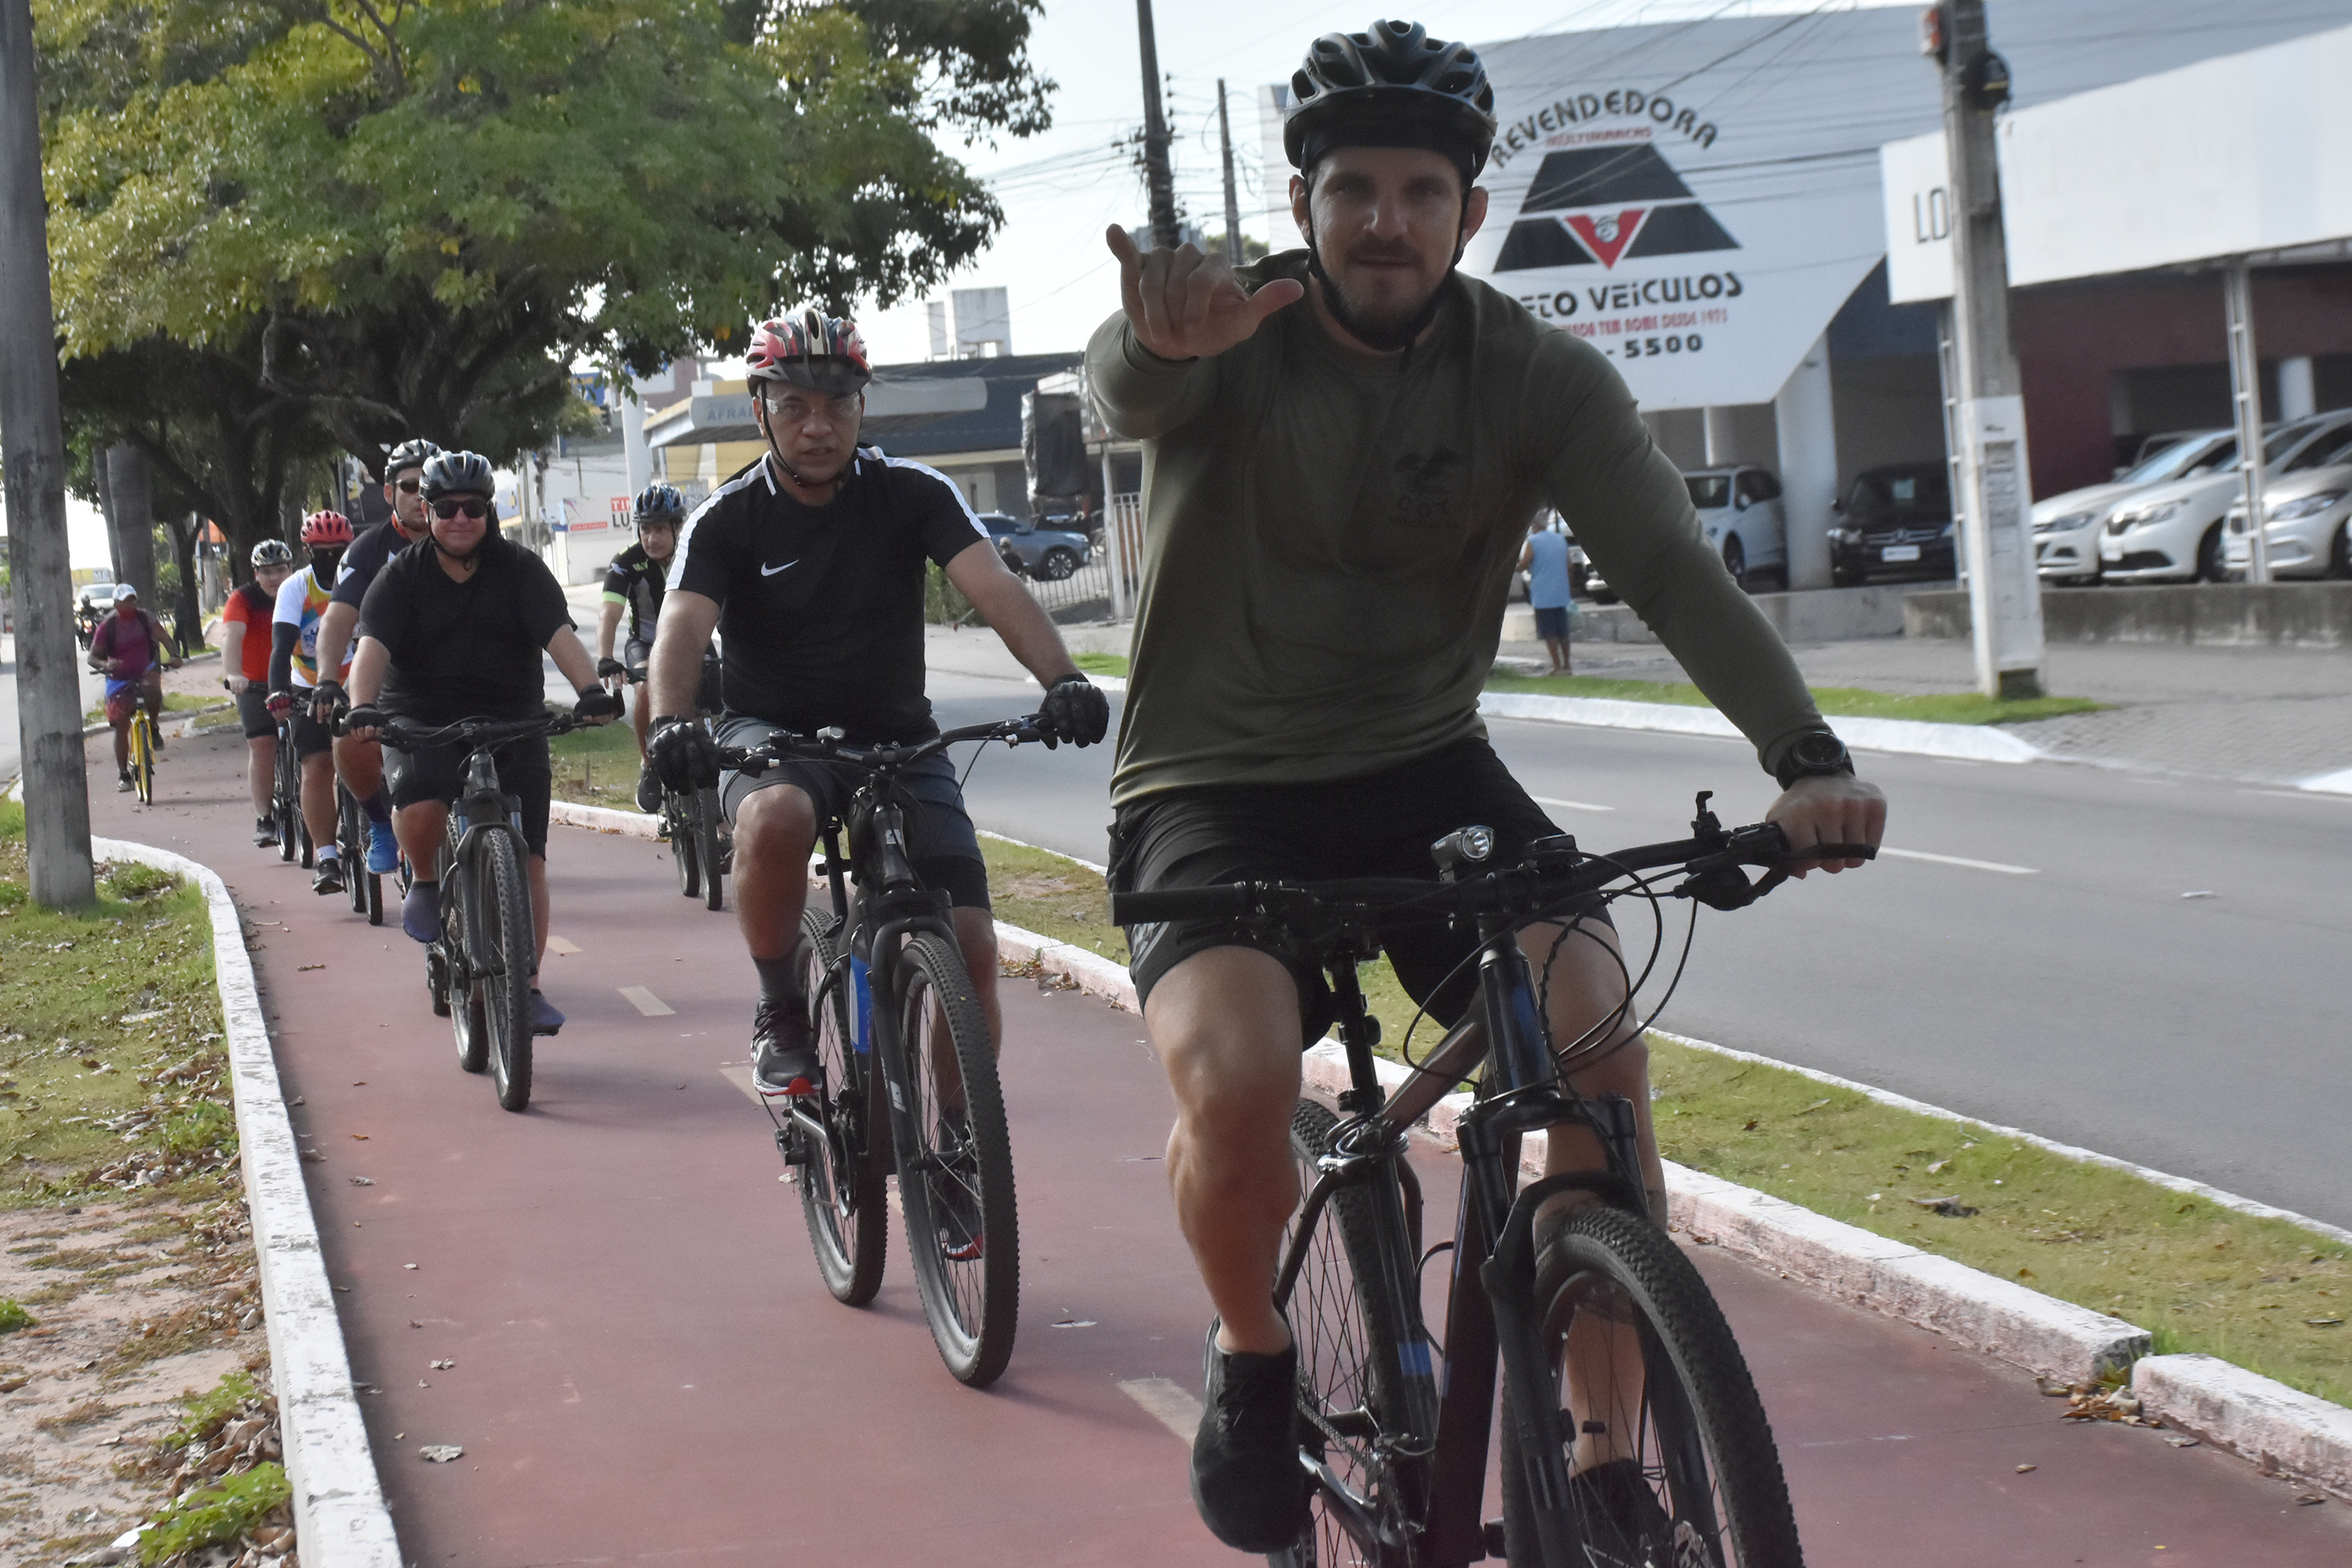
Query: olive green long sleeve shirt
column 1329, row 536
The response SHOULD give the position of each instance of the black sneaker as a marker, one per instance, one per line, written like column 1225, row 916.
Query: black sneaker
column 955, row 1196
column 330, row 877
column 649, row 789
column 783, row 1052
column 1246, row 1479
column 1625, row 1527
column 265, row 832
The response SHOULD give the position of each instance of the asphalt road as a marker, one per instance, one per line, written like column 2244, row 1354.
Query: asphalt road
column 11, row 753
column 2062, row 984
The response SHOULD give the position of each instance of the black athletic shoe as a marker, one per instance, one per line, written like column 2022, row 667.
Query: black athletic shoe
column 955, row 1196
column 265, row 832
column 330, row 877
column 1247, row 1479
column 649, row 790
column 783, row 1051
column 1625, row 1527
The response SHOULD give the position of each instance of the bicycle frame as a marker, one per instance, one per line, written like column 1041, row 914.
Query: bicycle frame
column 481, row 808
column 1493, row 1259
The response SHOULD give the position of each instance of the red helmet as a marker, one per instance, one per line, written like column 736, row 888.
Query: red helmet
column 329, row 528
column 824, row 354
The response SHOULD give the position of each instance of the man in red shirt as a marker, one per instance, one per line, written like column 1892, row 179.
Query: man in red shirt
column 245, row 655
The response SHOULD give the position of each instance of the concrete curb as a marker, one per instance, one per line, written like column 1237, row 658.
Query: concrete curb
column 340, row 1517
column 1095, row 974
column 1967, row 743
column 2328, row 784
column 2284, row 1432
column 604, row 819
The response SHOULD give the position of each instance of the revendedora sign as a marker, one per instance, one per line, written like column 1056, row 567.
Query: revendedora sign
column 1702, row 260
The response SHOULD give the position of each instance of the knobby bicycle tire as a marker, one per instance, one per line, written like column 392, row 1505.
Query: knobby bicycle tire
column 143, row 757
column 705, row 847
column 460, row 961
column 286, row 795
column 1367, row 1386
column 1660, row 1360
column 683, row 843
column 843, row 1181
column 971, row 1285
column 503, row 905
column 351, row 843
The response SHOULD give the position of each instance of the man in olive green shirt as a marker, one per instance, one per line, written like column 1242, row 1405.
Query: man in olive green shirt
column 1338, row 493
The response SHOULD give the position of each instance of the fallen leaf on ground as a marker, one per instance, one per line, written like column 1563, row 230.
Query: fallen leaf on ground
column 443, row 1365
column 440, row 1453
column 1950, row 1207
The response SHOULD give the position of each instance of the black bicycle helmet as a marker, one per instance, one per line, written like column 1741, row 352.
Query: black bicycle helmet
column 661, row 504
column 1393, row 86
column 457, row 473
column 273, row 552
column 413, row 453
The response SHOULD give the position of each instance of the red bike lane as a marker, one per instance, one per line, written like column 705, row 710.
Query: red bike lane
column 645, row 1366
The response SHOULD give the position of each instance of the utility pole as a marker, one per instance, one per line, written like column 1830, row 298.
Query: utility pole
column 32, row 445
column 1158, row 178
column 1233, row 256
column 1983, row 392
column 2246, row 401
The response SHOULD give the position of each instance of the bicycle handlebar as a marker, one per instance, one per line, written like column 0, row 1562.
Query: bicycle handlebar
column 828, row 745
column 401, row 735
column 1542, row 880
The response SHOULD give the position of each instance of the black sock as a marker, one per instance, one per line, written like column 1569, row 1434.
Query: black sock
column 780, row 983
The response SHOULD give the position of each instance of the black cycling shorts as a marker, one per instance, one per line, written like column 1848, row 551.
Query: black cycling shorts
column 1380, row 824
column 639, row 654
column 439, row 773
column 311, row 737
column 253, row 712
column 940, row 843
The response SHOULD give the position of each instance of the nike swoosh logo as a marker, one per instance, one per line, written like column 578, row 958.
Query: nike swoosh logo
column 766, row 570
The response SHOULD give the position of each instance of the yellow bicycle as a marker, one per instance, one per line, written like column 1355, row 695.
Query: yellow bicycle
column 142, row 754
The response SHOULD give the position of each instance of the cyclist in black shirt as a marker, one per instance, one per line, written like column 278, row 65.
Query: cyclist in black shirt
column 360, row 764
column 812, row 564
column 453, row 630
column 634, row 582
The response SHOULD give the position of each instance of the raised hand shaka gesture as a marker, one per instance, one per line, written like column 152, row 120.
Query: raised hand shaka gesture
column 1185, row 305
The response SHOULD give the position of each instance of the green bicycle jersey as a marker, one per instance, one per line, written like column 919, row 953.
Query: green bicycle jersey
column 1329, row 536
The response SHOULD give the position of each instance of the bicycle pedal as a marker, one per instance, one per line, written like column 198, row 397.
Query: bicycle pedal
column 1491, row 1537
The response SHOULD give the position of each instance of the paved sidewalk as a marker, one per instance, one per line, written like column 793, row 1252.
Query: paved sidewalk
column 647, row 1368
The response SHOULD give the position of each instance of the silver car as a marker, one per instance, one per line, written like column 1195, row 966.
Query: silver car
column 1740, row 511
column 2066, row 527
column 2174, row 533
column 2304, row 516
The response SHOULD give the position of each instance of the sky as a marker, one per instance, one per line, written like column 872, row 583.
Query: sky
column 1061, row 189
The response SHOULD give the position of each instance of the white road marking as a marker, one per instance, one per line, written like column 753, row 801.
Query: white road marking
column 1569, row 804
column 646, row 1002
column 559, row 945
column 1168, row 1403
column 2295, row 794
column 1959, row 860
column 740, row 1075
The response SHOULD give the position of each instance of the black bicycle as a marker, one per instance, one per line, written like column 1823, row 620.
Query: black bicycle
column 286, row 799
column 909, row 1072
column 480, row 970
column 695, row 829
column 364, row 886
column 1632, row 1435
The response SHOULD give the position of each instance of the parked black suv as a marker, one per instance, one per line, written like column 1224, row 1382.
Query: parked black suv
column 1896, row 521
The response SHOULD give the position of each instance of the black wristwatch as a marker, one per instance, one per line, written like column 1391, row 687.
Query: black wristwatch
column 1815, row 752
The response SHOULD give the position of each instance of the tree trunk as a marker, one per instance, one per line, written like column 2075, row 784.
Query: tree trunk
column 133, row 518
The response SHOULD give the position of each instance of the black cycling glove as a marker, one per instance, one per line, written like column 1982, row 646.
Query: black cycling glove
column 367, row 716
column 683, row 752
column 1075, row 710
column 328, row 701
column 595, row 702
column 608, row 667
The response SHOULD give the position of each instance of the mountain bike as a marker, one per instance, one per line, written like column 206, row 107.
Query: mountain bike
column 694, row 827
column 365, row 886
column 1632, row 1435
column 286, row 799
column 478, row 971
column 911, row 1077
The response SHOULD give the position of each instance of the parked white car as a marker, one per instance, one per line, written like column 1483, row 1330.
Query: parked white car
column 1740, row 510
column 2307, row 515
column 2066, row 527
column 2174, row 533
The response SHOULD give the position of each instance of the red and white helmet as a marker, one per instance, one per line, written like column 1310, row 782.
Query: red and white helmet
column 824, row 354
column 326, row 527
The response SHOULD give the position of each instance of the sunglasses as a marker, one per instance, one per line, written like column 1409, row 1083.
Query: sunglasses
column 410, row 487
column 472, row 506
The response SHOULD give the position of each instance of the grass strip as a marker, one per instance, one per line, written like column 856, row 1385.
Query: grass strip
column 2266, row 1295
column 1101, row 663
column 597, row 766
column 173, row 702
column 1837, row 701
column 110, row 1035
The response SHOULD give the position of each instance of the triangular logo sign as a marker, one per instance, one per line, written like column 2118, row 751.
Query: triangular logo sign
column 1607, row 235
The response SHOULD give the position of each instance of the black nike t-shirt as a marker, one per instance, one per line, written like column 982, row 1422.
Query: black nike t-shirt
column 364, row 559
column 463, row 650
column 821, row 608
